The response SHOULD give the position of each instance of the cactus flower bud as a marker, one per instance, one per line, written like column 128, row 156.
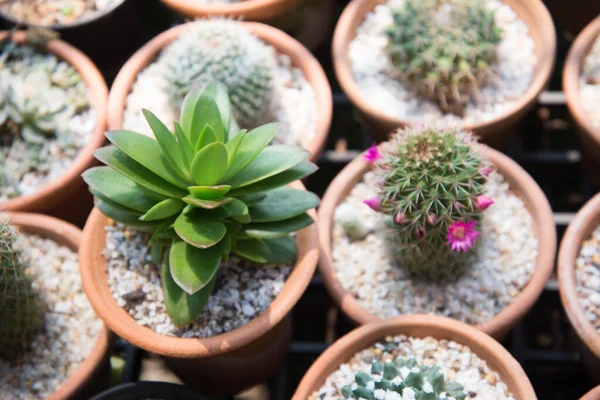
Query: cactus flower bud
column 373, row 202
column 400, row 218
column 483, row 202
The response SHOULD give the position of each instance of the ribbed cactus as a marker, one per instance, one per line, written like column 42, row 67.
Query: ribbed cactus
column 224, row 51
column 403, row 380
column 432, row 188
column 20, row 312
column 444, row 49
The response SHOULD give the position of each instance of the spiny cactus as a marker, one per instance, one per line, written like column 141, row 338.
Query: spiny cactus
column 444, row 49
column 20, row 311
column 432, row 189
column 403, row 380
column 224, row 51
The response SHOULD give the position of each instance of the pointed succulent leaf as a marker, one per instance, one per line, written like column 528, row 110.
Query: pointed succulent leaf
column 182, row 308
column 122, row 163
column 201, row 233
column 215, row 192
column 278, row 228
column 167, row 142
column 273, row 160
column 300, row 171
column 147, row 152
column 210, row 164
column 193, row 268
column 233, row 145
column 122, row 214
column 207, row 136
column 186, row 148
column 283, row 203
column 187, row 114
column 252, row 199
column 239, row 211
column 208, row 204
column 164, row 209
column 120, row 189
column 266, row 251
column 252, row 144
column 218, row 91
column 206, row 112
column 200, row 214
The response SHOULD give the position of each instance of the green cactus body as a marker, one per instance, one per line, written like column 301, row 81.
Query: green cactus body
column 20, row 311
column 444, row 49
column 403, row 380
column 430, row 179
column 224, row 51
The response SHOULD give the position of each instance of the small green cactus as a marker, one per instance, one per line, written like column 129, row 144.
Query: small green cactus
column 223, row 51
column 444, row 49
column 432, row 189
column 403, row 380
column 20, row 311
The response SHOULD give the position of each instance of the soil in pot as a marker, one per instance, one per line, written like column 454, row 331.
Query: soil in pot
column 587, row 276
column 378, row 80
column 291, row 100
column 46, row 119
column 589, row 84
column 70, row 329
column 60, row 12
column 456, row 362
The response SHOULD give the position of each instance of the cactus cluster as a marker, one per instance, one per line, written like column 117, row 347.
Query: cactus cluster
column 204, row 192
column 223, row 51
column 20, row 310
column 403, row 379
column 432, row 191
column 444, row 50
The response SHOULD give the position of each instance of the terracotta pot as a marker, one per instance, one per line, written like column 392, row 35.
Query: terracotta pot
column 495, row 131
column 94, row 373
column 589, row 135
column 593, row 394
column 283, row 43
column 250, row 10
column 67, row 196
column 579, row 230
column 520, row 183
column 496, row 357
column 236, row 352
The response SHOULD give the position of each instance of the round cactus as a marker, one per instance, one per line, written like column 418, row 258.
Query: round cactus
column 444, row 49
column 432, row 189
column 20, row 311
column 226, row 52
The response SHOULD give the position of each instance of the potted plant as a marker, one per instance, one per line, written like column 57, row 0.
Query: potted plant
column 105, row 30
column 151, row 390
column 52, row 345
column 581, row 84
column 178, row 274
column 422, row 356
column 250, row 10
column 269, row 76
column 52, row 116
column 486, row 72
column 578, row 275
column 432, row 222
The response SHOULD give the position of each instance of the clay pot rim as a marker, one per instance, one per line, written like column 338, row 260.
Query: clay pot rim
column 593, row 394
column 343, row 70
column 282, row 42
column 250, row 9
column 534, row 200
column 441, row 328
column 117, row 319
column 578, row 230
column 55, row 190
column 571, row 73
column 70, row 236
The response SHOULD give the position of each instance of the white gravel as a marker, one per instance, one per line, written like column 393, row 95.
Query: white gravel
column 456, row 361
column 496, row 273
column 294, row 103
column 378, row 82
column 587, row 274
column 589, row 84
column 242, row 290
column 71, row 328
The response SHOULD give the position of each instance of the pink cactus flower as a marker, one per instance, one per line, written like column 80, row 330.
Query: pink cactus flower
column 432, row 218
column 483, row 202
column 399, row 218
column 462, row 235
column 486, row 171
column 373, row 202
column 372, row 154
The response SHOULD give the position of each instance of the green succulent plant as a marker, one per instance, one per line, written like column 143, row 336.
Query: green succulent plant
column 444, row 50
column 404, row 378
column 432, row 190
column 20, row 310
column 204, row 192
